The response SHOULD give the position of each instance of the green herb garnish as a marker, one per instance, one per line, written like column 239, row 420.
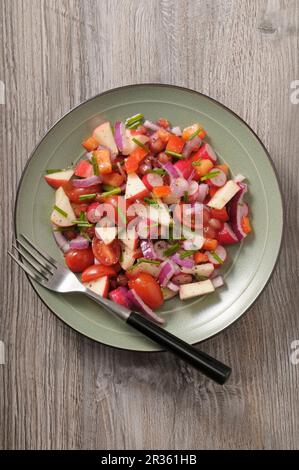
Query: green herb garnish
column 194, row 134
column 107, row 187
column 157, row 171
column 150, row 201
column 95, row 165
column 171, row 250
column 140, row 144
column 145, row 260
column 210, row 175
column 186, row 196
column 134, row 121
column 174, row 154
column 121, row 215
column 217, row 258
column 83, row 197
column 54, row 170
column 197, row 163
column 111, row 193
column 82, row 223
column 61, row 211
column 187, row 253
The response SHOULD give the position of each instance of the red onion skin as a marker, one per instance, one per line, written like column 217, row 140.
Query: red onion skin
column 148, row 250
column 136, row 301
column 118, row 135
column 62, row 243
column 79, row 243
column 166, row 272
column 191, row 146
column 235, row 212
column 86, row 182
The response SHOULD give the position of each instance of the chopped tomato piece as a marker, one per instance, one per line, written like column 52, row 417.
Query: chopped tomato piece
column 210, row 244
column 246, row 224
column 175, row 144
column 200, row 257
column 219, row 214
column 136, row 157
column 84, row 169
column 161, row 191
column 212, row 191
column 78, row 260
column 97, row 270
column 148, row 289
column 163, row 123
column 103, row 160
column 163, row 135
column 90, row 144
column 106, row 254
column 114, row 179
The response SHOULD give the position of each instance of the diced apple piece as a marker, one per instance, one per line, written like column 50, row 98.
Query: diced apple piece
column 205, row 269
column 143, row 267
column 127, row 259
column 187, row 291
column 160, row 214
column 131, row 239
column 129, row 145
column 59, row 178
column 62, row 201
column 100, row 286
column 106, row 234
column 135, row 189
column 224, row 194
column 103, row 134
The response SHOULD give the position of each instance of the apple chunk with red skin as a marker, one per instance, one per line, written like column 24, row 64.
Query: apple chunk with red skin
column 59, row 178
column 103, row 134
column 135, row 189
column 100, row 286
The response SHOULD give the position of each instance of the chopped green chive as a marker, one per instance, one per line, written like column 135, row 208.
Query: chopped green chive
column 54, row 170
column 95, row 165
column 134, row 121
column 150, row 201
column 210, row 175
column 140, row 144
column 174, row 154
column 157, row 171
column 197, row 163
column 108, row 187
column 61, row 211
column 171, row 250
column 186, row 196
column 187, row 253
column 194, row 134
column 217, row 258
column 82, row 223
column 121, row 215
column 111, row 193
column 87, row 196
column 145, row 260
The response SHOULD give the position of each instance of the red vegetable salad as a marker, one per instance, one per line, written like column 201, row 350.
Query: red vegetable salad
column 147, row 212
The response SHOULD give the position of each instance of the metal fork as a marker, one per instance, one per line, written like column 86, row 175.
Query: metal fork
column 54, row 276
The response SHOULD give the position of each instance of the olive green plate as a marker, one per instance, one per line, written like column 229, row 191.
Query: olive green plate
column 250, row 263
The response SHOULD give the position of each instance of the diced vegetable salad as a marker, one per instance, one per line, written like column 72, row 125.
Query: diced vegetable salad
column 116, row 213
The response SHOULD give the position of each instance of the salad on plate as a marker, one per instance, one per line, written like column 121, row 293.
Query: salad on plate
column 147, row 212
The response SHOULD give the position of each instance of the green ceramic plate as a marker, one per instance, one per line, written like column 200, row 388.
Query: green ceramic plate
column 251, row 263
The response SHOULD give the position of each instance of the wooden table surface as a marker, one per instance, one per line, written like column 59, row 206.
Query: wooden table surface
column 61, row 390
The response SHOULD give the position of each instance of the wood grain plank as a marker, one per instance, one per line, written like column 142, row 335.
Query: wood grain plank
column 60, row 390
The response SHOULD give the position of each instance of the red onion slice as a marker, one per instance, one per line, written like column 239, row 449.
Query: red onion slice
column 217, row 281
column 150, row 125
column 86, row 182
column 236, row 212
column 79, row 243
column 119, row 133
column 148, row 250
column 185, row 262
column 170, row 170
column 191, row 146
column 134, row 298
column 203, row 191
column 179, row 186
column 61, row 241
column 167, row 270
column 181, row 278
column 173, row 287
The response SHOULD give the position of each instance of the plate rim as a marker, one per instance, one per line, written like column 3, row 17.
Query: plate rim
column 185, row 89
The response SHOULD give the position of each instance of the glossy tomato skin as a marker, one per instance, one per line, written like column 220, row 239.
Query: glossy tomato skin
column 97, row 270
column 78, row 208
column 106, row 254
column 148, row 289
column 74, row 193
column 79, row 260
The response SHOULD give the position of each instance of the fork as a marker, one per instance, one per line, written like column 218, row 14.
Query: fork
column 54, row 276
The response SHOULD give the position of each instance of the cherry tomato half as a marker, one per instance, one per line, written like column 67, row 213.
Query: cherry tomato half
column 78, row 260
column 74, row 193
column 97, row 270
column 148, row 289
column 106, row 254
